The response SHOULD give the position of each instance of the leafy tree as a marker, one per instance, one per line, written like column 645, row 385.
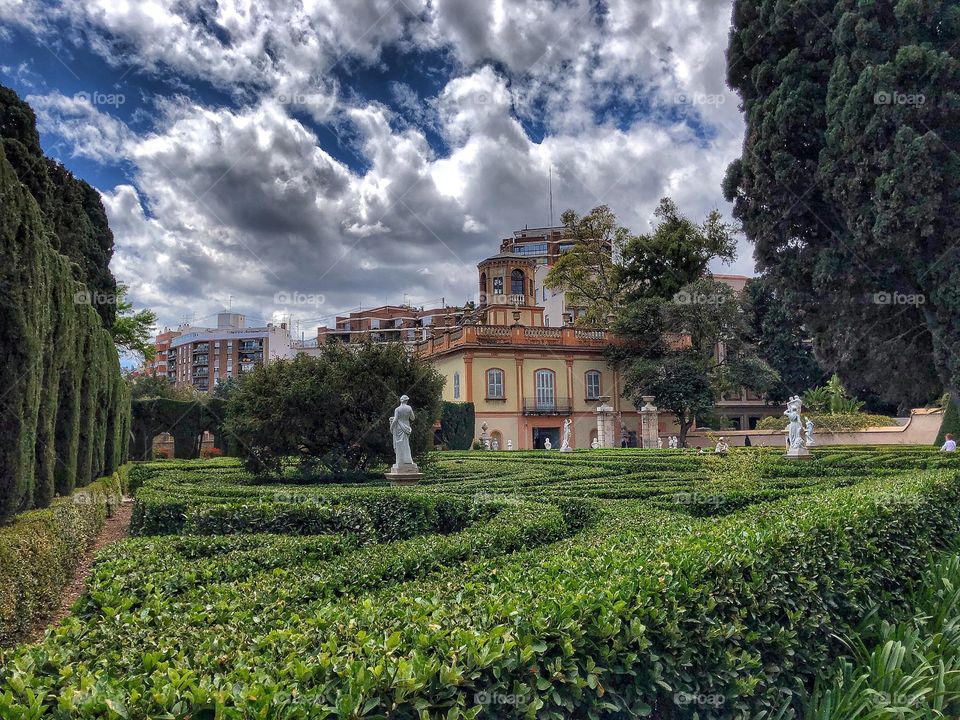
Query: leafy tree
column 676, row 253
column 687, row 372
column 848, row 181
column 588, row 272
column 332, row 411
column 608, row 267
column 150, row 386
column 133, row 330
column 780, row 340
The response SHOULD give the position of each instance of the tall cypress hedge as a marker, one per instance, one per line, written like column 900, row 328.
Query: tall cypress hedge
column 457, row 425
column 64, row 409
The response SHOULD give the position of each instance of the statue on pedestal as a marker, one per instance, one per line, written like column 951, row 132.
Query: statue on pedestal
column 404, row 470
column 659, row 443
column 565, row 445
column 547, row 445
column 595, row 444
column 795, row 446
column 509, row 444
column 810, row 442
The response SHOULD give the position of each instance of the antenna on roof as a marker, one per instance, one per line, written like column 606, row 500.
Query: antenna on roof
column 551, row 194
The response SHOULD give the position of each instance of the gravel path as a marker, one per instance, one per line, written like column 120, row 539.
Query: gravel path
column 115, row 528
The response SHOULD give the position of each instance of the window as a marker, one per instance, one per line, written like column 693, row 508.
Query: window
column 592, row 383
column 516, row 282
column 498, row 285
column 545, row 383
column 456, row 386
column 495, row 384
column 530, row 248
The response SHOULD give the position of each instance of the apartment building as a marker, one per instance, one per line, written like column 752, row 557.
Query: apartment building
column 203, row 357
column 389, row 323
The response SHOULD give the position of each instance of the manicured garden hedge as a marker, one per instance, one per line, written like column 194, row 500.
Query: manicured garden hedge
column 39, row 550
column 64, row 410
column 550, row 604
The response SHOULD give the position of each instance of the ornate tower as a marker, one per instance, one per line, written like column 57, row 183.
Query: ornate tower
column 507, row 294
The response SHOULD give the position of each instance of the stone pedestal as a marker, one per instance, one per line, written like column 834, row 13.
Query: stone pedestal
column 798, row 453
column 406, row 474
column 649, row 423
column 605, row 433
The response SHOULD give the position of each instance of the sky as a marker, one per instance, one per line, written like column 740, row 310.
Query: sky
column 299, row 159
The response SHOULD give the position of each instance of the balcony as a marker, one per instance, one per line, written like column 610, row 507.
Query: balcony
column 542, row 406
column 200, row 359
column 201, row 372
column 249, row 356
column 251, row 346
column 201, row 348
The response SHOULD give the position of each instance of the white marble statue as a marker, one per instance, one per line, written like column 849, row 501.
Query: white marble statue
column 722, row 447
column 401, row 428
column 810, row 442
column 547, row 445
column 794, row 436
column 494, row 445
column 509, row 444
column 659, row 443
column 565, row 445
column 595, row 444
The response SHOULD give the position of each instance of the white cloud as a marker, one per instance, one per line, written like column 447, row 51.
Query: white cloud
column 242, row 200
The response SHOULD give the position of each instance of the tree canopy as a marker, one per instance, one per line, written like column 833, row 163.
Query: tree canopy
column 331, row 412
column 848, row 181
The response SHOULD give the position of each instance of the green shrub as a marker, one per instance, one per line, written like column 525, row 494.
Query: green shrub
column 457, row 425
column 39, row 550
column 833, row 422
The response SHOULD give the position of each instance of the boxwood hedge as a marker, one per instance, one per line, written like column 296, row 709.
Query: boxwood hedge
column 547, row 599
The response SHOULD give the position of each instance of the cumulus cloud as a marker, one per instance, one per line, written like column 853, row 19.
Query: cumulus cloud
column 246, row 199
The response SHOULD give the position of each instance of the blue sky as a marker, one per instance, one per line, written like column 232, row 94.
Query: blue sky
column 371, row 151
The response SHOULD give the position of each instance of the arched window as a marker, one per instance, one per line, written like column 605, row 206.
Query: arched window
column 545, row 384
column 516, row 282
column 456, row 386
column 591, row 381
column 495, row 390
column 483, row 287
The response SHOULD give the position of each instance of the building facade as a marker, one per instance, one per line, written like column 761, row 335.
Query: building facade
column 203, row 357
column 389, row 323
column 159, row 365
column 523, row 377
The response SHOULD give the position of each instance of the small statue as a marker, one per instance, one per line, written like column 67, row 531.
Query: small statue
column 401, row 428
column 565, row 445
column 722, row 447
column 595, row 444
column 659, row 443
column 794, row 437
column 547, row 445
column 810, row 442
column 509, row 444
column 494, row 444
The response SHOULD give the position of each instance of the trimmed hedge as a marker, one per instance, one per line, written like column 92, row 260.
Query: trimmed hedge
column 569, row 608
column 64, row 410
column 39, row 550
